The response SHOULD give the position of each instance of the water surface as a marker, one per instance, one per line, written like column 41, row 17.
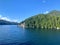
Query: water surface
column 15, row 35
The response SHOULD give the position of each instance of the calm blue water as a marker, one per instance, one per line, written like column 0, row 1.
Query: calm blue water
column 15, row 35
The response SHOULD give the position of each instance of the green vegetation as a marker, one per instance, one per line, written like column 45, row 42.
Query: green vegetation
column 50, row 20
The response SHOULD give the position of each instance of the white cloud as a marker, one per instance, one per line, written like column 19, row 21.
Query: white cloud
column 5, row 18
column 8, row 19
column 46, row 12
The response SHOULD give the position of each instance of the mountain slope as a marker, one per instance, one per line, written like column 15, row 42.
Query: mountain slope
column 50, row 20
column 54, row 12
column 4, row 22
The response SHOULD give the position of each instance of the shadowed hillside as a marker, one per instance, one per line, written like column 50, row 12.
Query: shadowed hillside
column 4, row 22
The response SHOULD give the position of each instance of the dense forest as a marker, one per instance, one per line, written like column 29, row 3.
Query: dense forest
column 50, row 20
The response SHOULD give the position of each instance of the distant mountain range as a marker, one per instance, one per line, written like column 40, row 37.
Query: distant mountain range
column 4, row 22
column 49, row 20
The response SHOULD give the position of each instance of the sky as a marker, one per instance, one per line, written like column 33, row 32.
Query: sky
column 19, row 10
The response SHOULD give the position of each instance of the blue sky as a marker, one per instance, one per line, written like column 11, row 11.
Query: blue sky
column 19, row 10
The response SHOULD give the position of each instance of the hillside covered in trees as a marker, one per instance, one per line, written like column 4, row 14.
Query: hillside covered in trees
column 49, row 21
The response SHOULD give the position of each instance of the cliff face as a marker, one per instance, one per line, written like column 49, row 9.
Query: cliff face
column 50, row 20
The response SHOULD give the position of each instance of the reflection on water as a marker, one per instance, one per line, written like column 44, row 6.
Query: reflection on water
column 14, row 35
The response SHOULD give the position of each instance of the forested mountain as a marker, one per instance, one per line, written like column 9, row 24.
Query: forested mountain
column 54, row 12
column 4, row 22
column 50, row 20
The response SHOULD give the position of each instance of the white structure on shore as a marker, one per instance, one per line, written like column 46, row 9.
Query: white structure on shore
column 58, row 28
column 23, row 25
